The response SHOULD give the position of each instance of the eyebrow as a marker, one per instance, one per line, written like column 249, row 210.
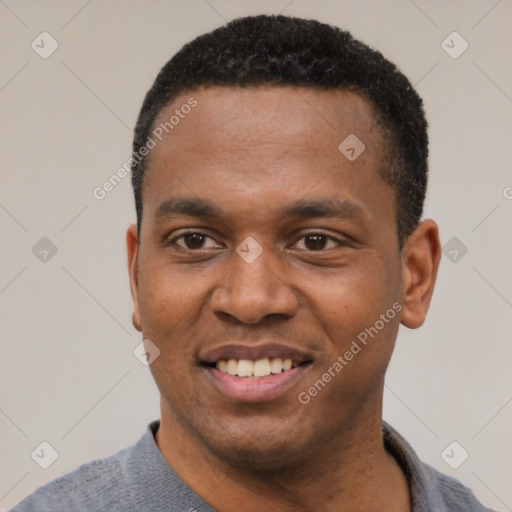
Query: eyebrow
column 300, row 209
column 190, row 206
column 332, row 208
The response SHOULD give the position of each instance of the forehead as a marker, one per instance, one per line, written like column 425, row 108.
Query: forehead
column 262, row 146
column 256, row 115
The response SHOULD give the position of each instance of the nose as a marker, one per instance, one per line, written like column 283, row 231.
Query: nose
column 249, row 292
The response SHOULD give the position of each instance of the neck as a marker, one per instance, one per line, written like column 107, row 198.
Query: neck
column 350, row 473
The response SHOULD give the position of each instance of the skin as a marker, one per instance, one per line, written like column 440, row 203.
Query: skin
column 252, row 152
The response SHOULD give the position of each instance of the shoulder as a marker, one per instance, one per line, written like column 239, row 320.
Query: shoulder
column 136, row 478
column 97, row 483
column 430, row 489
column 454, row 495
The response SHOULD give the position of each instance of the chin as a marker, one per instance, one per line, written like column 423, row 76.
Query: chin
column 259, row 459
column 259, row 450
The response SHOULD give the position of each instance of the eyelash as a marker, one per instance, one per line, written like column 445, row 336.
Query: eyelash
column 192, row 232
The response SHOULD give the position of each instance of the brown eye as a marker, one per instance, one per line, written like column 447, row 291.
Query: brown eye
column 317, row 242
column 194, row 240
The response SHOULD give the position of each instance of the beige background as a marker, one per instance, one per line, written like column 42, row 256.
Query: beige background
column 68, row 374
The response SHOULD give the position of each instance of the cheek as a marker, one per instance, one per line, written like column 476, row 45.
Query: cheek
column 353, row 299
column 348, row 307
column 170, row 304
column 168, row 297
column 173, row 307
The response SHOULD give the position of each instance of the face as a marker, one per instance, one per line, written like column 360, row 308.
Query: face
column 262, row 242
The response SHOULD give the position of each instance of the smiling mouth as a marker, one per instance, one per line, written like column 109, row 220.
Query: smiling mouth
column 248, row 369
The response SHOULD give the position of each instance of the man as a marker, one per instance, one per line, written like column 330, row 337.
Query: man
column 279, row 172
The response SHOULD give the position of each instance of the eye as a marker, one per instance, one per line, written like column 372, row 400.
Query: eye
column 318, row 242
column 194, row 240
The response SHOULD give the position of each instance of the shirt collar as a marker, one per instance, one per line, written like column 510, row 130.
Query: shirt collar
column 154, row 484
column 421, row 480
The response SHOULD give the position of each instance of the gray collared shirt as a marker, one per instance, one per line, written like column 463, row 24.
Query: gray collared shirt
column 139, row 479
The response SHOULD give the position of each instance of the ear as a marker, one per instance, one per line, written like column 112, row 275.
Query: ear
column 132, row 248
column 421, row 255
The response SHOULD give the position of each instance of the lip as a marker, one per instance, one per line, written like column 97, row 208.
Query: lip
column 260, row 389
column 254, row 352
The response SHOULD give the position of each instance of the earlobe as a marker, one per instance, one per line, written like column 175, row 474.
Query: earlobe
column 132, row 248
column 421, row 255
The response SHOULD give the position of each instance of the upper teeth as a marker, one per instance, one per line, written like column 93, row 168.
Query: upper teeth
column 259, row 368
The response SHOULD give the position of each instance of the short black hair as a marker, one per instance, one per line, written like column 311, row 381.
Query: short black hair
column 286, row 51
